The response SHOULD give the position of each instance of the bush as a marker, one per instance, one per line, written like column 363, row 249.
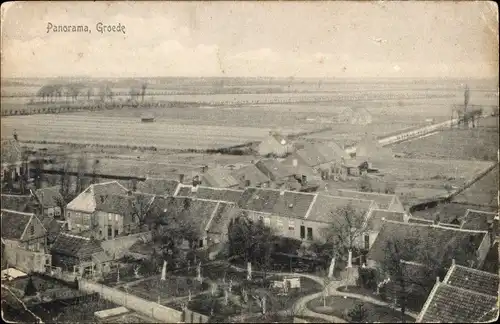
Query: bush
column 357, row 314
column 367, row 278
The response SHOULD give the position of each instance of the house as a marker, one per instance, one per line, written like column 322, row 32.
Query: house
column 116, row 215
column 276, row 145
column 369, row 147
column 23, row 230
column 465, row 295
column 208, row 193
column 296, row 215
column 81, row 210
column 160, row 187
column 313, row 160
column 355, row 116
column 24, row 241
column 418, row 243
column 280, row 175
column 53, row 227
column 75, row 253
column 48, row 201
column 201, row 211
column 218, row 178
column 251, row 176
column 354, row 167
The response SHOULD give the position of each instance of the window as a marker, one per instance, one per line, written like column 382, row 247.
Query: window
column 116, row 232
column 267, row 221
column 367, row 241
column 32, row 230
column 110, row 231
column 200, row 243
column 302, row 232
column 110, row 218
column 310, row 233
column 291, row 225
column 279, row 223
column 116, row 218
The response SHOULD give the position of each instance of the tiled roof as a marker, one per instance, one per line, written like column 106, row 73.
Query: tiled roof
column 251, row 173
column 324, row 207
column 75, row 246
column 87, row 200
column 450, row 304
column 420, row 242
column 273, row 169
column 220, row 178
column 163, row 187
column 124, row 204
column 473, row 279
column 312, row 155
column 378, row 216
column 49, row 196
column 282, row 203
column 223, row 215
column 15, row 202
column 383, row 200
column 179, row 208
column 14, row 223
column 11, row 151
column 221, row 194
column 477, row 220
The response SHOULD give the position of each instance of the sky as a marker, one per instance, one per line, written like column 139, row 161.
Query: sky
column 249, row 39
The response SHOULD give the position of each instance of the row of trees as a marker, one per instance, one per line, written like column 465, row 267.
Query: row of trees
column 53, row 92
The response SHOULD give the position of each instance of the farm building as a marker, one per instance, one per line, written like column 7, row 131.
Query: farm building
column 251, row 176
column 147, row 118
column 12, row 159
column 218, row 178
column 355, row 116
column 466, row 295
column 276, row 145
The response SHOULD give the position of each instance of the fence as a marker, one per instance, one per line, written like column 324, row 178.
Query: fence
column 194, row 317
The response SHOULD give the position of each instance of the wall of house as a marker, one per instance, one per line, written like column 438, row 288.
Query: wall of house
column 396, row 205
column 34, row 236
column 26, row 261
column 194, row 317
column 105, row 221
column 78, row 221
column 483, row 250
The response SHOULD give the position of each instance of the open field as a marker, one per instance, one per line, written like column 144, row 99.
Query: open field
column 128, row 131
column 479, row 143
column 483, row 193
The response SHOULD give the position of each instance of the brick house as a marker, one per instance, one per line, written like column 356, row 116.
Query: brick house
column 280, row 175
column 465, row 295
column 276, row 145
column 80, row 212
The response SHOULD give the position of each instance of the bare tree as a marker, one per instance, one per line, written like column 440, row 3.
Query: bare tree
column 143, row 92
column 341, row 236
column 81, row 181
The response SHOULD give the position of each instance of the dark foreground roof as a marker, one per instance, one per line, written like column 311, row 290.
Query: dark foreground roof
column 473, row 279
column 14, row 223
column 75, row 246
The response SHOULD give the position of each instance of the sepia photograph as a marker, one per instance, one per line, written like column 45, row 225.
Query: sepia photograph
column 249, row 162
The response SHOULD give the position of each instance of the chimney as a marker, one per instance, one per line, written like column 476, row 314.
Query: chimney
column 247, row 183
column 437, row 279
column 294, row 162
column 15, row 135
column 181, row 178
column 196, row 181
column 494, row 229
column 304, row 180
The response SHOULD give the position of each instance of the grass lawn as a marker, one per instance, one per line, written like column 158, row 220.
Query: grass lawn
column 151, row 288
column 337, row 306
column 360, row 291
column 126, row 274
column 217, row 271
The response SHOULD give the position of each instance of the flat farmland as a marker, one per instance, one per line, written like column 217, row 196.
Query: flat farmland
column 484, row 192
column 162, row 134
column 479, row 143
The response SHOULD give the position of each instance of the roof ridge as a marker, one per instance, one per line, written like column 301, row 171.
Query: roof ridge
column 75, row 236
column 16, row 212
column 436, row 226
column 367, row 193
column 9, row 195
column 281, row 190
column 385, row 210
column 347, row 198
column 478, row 211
